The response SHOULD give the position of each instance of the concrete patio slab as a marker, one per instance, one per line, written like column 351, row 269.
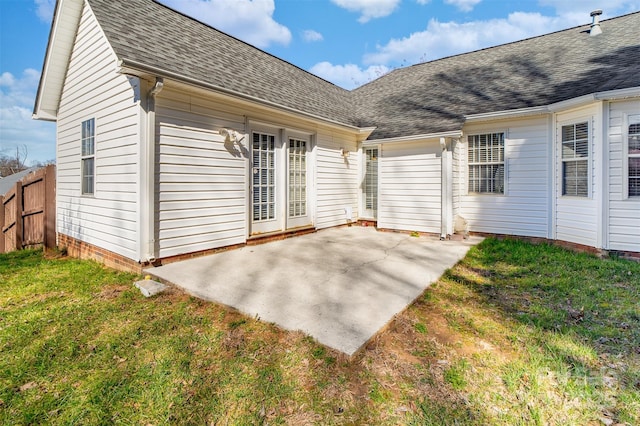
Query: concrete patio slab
column 339, row 285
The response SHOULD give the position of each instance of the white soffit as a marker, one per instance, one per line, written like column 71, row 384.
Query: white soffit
column 63, row 33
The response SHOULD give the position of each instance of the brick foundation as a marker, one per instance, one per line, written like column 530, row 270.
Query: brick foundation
column 82, row 250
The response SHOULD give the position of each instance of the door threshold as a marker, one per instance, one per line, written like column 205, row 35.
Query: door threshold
column 280, row 235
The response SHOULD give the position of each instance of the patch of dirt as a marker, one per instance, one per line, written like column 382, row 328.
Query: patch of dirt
column 112, row 291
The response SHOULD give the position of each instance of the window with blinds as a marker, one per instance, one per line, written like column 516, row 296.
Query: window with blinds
column 575, row 160
column 297, row 178
column 486, row 163
column 633, row 154
column 264, row 181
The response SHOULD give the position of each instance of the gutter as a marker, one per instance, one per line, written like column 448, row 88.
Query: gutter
column 414, row 138
column 134, row 67
column 608, row 95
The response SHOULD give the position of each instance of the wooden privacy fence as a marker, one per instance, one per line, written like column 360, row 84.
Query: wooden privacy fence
column 28, row 213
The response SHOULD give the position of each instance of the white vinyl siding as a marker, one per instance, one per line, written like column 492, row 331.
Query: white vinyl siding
column 624, row 211
column 523, row 209
column 202, row 179
column 93, row 88
column 410, row 187
column 337, row 179
column 486, row 163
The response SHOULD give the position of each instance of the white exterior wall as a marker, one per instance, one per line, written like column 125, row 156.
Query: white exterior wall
column 93, row 89
column 623, row 212
column 201, row 182
column 336, row 179
column 576, row 218
column 524, row 208
column 203, row 189
column 410, row 186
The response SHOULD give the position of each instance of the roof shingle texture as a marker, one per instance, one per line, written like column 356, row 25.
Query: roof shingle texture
column 420, row 99
column 435, row 96
column 154, row 35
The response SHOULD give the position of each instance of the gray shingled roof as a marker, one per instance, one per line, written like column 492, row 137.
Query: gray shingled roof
column 426, row 98
column 435, row 96
column 149, row 33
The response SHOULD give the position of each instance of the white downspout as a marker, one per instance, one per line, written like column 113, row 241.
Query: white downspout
column 148, row 184
column 444, row 190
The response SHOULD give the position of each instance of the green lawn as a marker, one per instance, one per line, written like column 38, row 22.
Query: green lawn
column 514, row 334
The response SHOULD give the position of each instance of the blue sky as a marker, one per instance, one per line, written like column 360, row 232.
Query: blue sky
column 348, row 42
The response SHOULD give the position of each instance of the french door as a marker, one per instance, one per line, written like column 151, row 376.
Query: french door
column 279, row 183
column 370, row 183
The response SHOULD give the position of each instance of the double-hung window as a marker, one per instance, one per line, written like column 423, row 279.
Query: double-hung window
column 88, row 156
column 486, row 163
column 575, row 160
column 633, row 155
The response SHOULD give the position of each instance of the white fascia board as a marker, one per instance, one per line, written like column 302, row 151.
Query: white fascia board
column 365, row 132
column 612, row 95
column 63, row 31
column 414, row 138
column 129, row 67
column 608, row 95
column 511, row 113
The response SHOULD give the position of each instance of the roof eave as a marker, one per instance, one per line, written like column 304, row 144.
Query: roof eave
column 415, row 138
column 608, row 95
column 131, row 67
column 56, row 59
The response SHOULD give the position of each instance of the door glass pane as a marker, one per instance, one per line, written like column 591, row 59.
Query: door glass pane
column 370, row 185
column 297, row 178
column 263, row 177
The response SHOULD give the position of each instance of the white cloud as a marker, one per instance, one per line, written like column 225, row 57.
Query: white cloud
column 44, row 9
column 348, row 76
column 463, row 5
column 311, row 35
column 584, row 7
column 442, row 39
column 17, row 128
column 369, row 9
column 248, row 20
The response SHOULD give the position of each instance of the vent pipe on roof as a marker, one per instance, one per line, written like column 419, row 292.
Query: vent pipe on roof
column 595, row 25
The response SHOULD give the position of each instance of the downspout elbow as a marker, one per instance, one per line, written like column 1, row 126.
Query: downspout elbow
column 157, row 88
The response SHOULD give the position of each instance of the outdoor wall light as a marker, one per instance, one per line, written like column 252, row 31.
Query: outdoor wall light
column 344, row 152
column 230, row 135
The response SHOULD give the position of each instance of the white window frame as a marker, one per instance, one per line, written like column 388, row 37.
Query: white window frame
column 587, row 159
column 629, row 119
column 504, row 163
column 88, row 139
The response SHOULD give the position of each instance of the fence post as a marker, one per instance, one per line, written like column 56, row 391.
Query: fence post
column 49, row 207
column 1, row 223
column 18, row 212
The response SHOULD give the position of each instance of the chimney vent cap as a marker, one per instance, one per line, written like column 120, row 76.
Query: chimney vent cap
column 596, row 12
